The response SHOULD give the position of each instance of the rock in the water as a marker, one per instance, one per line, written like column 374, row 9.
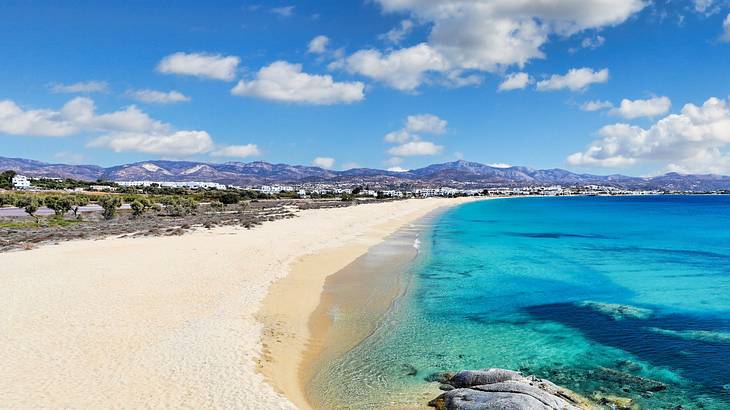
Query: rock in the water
column 616, row 311
column 441, row 377
column 469, row 378
column 409, row 370
column 505, row 389
column 631, row 382
column 615, row 402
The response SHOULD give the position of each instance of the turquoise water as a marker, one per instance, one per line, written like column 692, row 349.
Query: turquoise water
column 628, row 296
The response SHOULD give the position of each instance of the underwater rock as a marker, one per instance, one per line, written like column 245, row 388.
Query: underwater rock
column 409, row 370
column 701, row 335
column 631, row 382
column 505, row 389
column 615, row 402
column 616, row 311
column 441, row 377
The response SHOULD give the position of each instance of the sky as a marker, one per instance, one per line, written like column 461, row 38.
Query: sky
column 637, row 87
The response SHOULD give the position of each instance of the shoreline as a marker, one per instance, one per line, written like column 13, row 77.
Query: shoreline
column 165, row 321
column 294, row 333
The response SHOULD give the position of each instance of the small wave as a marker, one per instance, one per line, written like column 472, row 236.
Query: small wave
column 417, row 243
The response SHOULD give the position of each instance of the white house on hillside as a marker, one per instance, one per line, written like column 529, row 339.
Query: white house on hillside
column 21, row 182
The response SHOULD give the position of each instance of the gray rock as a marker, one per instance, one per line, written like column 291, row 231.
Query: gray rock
column 505, row 389
column 469, row 378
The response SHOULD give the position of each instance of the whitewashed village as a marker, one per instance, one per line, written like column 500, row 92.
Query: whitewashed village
column 23, row 182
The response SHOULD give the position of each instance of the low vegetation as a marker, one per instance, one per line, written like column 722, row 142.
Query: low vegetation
column 80, row 211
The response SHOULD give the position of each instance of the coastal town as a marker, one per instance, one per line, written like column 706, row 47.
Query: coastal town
column 325, row 190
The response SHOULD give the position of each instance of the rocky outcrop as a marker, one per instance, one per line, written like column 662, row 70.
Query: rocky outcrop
column 503, row 389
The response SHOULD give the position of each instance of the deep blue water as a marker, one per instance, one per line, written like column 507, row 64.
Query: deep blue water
column 627, row 296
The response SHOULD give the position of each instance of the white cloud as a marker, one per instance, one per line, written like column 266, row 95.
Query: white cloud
column 158, row 97
column 396, row 34
column 459, row 78
column 692, row 141
column 415, row 125
column 177, row 143
column 237, row 151
column 203, row 65
column 703, row 6
column 285, row 11
column 642, row 108
column 483, row 35
column 425, row 123
column 596, row 105
column 76, row 116
column 500, row 165
column 15, row 120
column 726, row 29
column 318, row 45
column 515, row 81
column 397, row 169
column 85, row 87
column 593, row 42
column 416, row 148
column 324, row 162
column 399, row 136
column 129, row 129
column 402, row 69
column 285, row 82
column 82, row 112
column 575, row 79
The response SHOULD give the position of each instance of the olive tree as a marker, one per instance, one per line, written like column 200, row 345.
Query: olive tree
column 60, row 204
column 30, row 205
column 140, row 206
column 109, row 205
column 177, row 206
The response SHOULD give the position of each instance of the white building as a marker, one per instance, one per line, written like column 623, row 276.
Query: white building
column 275, row 189
column 173, row 184
column 21, row 182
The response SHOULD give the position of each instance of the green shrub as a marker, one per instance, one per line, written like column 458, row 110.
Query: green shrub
column 230, row 198
column 30, row 205
column 109, row 205
column 60, row 204
column 177, row 206
column 140, row 206
column 7, row 200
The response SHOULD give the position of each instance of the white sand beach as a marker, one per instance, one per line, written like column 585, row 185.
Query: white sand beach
column 169, row 321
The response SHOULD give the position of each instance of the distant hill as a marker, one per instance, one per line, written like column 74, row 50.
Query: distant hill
column 457, row 174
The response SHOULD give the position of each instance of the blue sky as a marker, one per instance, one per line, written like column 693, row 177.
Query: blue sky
column 392, row 84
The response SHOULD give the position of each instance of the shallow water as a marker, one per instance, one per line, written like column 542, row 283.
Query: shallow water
column 627, row 296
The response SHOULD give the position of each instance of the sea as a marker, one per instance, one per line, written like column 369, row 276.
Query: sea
column 608, row 296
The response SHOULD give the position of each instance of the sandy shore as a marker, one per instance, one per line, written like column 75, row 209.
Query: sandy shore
column 172, row 322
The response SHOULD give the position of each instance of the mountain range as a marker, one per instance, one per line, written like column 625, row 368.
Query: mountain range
column 456, row 174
